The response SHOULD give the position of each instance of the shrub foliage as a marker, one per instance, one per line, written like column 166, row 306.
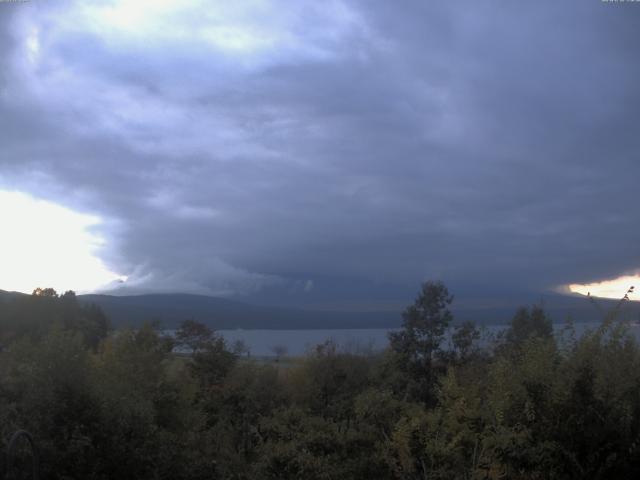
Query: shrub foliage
column 136, row 404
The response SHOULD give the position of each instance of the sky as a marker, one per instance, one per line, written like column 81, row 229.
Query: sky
column 333, row 153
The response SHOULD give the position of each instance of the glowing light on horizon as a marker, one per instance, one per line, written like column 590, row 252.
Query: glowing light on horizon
column 46, row 245
column 614, row 288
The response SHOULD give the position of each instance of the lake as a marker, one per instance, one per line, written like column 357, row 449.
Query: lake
column 298, row 342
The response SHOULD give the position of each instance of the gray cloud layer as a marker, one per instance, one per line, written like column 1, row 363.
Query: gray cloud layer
column 490, row 144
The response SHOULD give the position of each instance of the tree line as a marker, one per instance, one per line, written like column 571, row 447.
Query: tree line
column 528, row 404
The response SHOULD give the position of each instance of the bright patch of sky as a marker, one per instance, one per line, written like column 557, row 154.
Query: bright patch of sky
column 47, row 245
column 614, row 288
column 249, row 28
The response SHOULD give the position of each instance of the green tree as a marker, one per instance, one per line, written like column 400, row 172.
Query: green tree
column 45, row 293
column 193, row 335
column 212, row 362
column 416, row 347
column 327, row 381
column 464, row 338
column 527, row 323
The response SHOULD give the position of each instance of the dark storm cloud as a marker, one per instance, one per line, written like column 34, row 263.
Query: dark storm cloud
column 492, row 145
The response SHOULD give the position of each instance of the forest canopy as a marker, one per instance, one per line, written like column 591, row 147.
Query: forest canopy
column 526, row 404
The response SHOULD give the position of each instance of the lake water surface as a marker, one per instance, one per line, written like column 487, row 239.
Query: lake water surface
column 298, row 342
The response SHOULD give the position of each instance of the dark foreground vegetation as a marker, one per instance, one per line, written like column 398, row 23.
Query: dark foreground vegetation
column 123, row 405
